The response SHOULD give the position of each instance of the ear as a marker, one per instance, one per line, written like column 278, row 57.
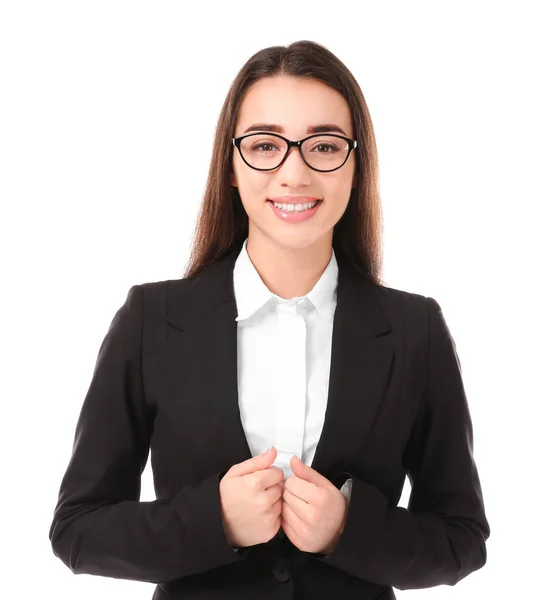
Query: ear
column 232, row 179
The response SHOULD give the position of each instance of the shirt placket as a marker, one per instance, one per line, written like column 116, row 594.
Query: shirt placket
column 290, row 378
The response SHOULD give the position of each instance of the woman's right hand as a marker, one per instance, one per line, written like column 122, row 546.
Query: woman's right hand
column 251, row 500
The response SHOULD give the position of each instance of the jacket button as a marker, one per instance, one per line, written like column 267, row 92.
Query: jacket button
column 280, row 571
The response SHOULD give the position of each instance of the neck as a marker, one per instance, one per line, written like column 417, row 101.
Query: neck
column 289, row 272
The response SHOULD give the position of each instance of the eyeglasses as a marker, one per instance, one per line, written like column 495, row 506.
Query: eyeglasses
column 322, row 152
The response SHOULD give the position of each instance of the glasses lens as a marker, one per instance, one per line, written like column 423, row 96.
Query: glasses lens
column 263, row 151
column 324, row 151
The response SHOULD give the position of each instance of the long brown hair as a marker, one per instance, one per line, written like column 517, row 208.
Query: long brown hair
column 222, row 224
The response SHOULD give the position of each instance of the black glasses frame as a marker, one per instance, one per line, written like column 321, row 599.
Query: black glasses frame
column 237, row 143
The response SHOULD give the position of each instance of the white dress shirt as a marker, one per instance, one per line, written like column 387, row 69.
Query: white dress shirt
column 284, row 354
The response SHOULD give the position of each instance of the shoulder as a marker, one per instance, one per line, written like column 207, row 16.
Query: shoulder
column 150, row 300
column 168, row 289
column 415, row 316
column 402, row 304
column 391, row 294
column 165, row 286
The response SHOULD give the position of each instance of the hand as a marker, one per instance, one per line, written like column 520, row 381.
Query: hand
column 314, row 511
column 251, row 500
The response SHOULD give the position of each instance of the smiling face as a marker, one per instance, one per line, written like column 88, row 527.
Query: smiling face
column 295, row 106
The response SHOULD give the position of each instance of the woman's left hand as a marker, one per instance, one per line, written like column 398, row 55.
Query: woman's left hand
column 314, row 511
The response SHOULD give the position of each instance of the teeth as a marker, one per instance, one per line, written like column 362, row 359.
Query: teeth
column 294, row 207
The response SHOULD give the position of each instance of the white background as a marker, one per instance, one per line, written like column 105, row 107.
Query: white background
column 107, row 116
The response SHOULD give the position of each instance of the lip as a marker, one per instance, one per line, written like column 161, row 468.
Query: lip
column 294, row 217
column 293, row 199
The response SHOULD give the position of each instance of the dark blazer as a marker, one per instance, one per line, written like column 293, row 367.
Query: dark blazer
column 166, row 380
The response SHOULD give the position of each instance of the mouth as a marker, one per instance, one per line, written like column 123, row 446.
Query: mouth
column 293, row 214
column 317, row 201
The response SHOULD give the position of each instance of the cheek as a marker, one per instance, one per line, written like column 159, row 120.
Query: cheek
column 339, row 190
column 338, row 196
column 253, row 187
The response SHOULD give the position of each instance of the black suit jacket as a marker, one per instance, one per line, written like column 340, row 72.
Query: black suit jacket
column 165, row 380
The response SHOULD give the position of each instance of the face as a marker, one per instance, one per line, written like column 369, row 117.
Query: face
column 294, row 105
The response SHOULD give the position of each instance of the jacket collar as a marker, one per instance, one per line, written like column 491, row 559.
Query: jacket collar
column 204, row 309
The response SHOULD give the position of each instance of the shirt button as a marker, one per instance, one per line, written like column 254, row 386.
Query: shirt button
column 280, row 570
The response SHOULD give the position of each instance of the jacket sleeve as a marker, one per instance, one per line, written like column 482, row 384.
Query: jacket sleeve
column 99, row 525
column 440, row 538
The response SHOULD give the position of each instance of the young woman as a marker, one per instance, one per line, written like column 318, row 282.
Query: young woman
column 281, row 333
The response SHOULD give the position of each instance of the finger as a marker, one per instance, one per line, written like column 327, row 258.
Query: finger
column 297, row 505
column 289, row 516
column 290, row 532
column 269, row 477
column 303, row 489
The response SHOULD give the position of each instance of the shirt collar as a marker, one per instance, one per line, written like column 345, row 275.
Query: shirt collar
column 251, row 293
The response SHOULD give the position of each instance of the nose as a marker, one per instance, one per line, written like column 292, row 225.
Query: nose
column 294, row 170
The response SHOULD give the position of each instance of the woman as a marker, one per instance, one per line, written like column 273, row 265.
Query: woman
column 281, row 333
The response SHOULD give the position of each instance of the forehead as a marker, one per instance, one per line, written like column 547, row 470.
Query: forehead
column 294, row 104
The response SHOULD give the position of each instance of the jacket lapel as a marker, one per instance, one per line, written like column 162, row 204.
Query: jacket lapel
column 360, row 363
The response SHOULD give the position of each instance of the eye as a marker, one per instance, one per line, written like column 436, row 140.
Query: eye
column 333, row 148
column 262, row 146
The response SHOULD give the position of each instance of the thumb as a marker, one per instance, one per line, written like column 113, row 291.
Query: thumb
column 256, row 463
column 305, row 472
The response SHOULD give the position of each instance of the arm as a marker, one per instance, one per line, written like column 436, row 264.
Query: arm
column 440, row 538
column 99, row 525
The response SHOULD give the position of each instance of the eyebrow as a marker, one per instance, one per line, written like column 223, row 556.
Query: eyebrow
column 324, row 128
